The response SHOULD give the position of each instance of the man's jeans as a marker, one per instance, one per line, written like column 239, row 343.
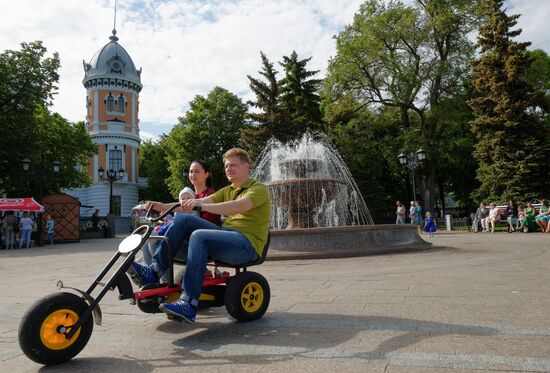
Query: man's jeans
column 205, row 240
column 400, row 219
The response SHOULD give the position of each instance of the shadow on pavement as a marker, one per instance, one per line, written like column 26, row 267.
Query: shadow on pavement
column 101, row 364
column 285, row 336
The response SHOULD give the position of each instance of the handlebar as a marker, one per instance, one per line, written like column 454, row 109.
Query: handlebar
column 165, row 213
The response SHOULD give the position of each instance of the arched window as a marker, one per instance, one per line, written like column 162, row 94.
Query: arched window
column 110, row 103
column 120, row 104
column 115, row 160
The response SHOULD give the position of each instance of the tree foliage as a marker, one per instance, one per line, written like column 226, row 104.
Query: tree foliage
column 267, row 122
column 28, row 82
column 413, row 58
column 211, row 126
column 154, row 166
column 513, row 148
column 288, row 107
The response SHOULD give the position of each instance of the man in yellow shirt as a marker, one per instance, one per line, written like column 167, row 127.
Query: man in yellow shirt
column 241, row 238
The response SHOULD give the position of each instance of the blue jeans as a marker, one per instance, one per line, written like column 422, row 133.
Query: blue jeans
column 50, row 238
column 25, row 237
column 205, row 240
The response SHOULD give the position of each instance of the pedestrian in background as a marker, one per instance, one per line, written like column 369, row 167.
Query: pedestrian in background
column 400, row 213
column 26, row 224
column 429, row 227
column 50, row 229
column 412, row 213
column 480, row 217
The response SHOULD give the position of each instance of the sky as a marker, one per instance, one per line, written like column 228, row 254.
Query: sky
column 187, row 47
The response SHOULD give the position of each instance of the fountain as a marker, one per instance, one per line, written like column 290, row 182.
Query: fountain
column 316, row 204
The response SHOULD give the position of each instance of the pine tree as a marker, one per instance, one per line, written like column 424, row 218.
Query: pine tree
column 299, row 101
column 288, row 107
column 511, row 150
column 266, row 123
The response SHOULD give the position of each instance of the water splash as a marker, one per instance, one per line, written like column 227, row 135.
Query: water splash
column 310, row 185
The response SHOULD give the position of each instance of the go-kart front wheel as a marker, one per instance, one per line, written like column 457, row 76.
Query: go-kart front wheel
column 247, row 296
column 41, row 332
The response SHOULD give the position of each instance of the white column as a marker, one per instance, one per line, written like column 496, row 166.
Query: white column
column 96, row 166
column 134, row 178
column 133, row 113
column 96, row 111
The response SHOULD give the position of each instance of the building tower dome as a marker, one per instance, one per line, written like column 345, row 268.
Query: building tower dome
column 112, row 85
column 112, row 66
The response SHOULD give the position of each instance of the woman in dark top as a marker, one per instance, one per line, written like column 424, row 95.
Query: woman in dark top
column 511, row 215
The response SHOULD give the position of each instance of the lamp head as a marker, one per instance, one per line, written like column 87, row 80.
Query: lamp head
column 402, row 159
column 26, row 164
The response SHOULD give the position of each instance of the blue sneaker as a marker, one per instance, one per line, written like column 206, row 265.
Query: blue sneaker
column 142, row 274
column 180, row 308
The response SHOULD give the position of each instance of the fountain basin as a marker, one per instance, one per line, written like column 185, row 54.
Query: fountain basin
column 347, row 241
column 302, row 197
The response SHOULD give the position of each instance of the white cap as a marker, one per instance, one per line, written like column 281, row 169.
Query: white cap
column 187, row 190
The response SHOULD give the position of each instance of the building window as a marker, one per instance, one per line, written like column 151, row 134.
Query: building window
column 115, row 160
column 117, row 205
column 110, row 103
column 121, row 104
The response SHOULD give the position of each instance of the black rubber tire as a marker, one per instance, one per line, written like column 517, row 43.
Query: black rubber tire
column 236, row 294
column 31, row 324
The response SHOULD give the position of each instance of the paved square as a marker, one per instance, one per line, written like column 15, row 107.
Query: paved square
column 474, row 302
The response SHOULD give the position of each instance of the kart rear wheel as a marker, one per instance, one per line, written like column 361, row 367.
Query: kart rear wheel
column 41, row 332
column 247, row 296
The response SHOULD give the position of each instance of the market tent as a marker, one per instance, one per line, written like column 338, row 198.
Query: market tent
column 20, row 204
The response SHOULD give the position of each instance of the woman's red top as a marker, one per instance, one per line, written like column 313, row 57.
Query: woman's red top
column 213, row 218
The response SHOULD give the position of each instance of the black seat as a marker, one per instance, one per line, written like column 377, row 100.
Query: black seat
column 260, row 259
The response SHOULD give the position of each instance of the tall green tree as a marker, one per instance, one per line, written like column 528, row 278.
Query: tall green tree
column 265, row 122
column 512, row 149
column 154, row 166
column 409, row 57
column 287, row 108
column 299, row 100
column 28, row 82
column 210, row 127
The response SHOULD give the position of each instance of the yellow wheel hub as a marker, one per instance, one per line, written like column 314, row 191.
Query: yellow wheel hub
column 252, row 297
column 54, row 328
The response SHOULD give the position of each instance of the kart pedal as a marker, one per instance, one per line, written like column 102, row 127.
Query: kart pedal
column 134, row 276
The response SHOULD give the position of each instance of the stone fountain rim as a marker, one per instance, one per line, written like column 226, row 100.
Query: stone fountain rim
column 348, row 228
column 305, row 180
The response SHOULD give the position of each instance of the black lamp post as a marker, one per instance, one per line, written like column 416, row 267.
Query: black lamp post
column 42, row 171
column 111, row 176
column 411, row 161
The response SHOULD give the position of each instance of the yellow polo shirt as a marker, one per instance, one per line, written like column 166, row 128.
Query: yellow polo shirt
column 254, row 224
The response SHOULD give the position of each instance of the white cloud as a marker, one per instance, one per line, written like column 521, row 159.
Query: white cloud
column 145, row 135
column 188, row 47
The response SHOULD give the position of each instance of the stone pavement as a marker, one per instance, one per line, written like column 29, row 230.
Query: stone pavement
column 473, row 302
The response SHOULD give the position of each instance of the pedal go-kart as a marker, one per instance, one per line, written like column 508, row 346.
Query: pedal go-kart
column 57, row 327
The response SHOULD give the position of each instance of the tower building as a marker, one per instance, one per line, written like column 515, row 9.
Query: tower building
column 112, row 85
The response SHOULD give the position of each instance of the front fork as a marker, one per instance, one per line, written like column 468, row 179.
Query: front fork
column 119, row 279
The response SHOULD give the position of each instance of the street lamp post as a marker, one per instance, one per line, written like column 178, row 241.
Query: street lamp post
column 411, row 161
column 111, row 176
column 42, row 172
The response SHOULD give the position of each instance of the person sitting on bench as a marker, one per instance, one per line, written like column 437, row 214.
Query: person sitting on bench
column 246, row 205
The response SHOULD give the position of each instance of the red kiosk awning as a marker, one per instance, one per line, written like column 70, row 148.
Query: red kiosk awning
column 20, row 204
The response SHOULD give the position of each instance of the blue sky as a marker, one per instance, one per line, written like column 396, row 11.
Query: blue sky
column 187, row 47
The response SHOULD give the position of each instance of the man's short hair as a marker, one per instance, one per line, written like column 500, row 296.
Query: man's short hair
column 237, row 152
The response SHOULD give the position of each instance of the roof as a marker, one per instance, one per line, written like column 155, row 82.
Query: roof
column 112, row 61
